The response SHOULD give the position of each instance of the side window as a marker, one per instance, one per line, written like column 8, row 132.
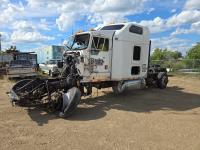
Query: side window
column 106, row 45
column 135, row 70
column 136, row 29
column 95, row 42
column 136, row 53
column 100, row 44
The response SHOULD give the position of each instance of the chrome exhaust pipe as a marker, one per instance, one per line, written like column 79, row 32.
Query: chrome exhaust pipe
column 134, row 83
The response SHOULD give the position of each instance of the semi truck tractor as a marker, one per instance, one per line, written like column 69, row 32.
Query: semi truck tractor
column 116, row 56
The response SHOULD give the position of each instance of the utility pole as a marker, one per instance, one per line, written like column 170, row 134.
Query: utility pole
column 0, row 42
column 0, row 51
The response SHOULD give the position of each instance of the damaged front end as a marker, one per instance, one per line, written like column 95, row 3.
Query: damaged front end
column 57, row 95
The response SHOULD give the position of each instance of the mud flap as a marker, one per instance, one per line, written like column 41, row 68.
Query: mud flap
column 70, row 101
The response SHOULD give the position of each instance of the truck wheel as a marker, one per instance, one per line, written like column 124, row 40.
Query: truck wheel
column 162, row 81
column 70, row 101
column 118, row 89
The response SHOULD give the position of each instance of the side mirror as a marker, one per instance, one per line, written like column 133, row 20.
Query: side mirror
column 60, row 64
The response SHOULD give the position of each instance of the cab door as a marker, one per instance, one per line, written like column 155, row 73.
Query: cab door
column 100, row 58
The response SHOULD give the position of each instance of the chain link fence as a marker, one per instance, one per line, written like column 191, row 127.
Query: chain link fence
column 191, row 66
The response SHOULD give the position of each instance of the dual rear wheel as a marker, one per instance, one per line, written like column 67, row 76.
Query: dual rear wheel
column 162, row 81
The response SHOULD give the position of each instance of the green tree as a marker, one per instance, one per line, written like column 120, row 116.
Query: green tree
column 176, row 55
column 165, row 54
column 194, row 52
column 157, row 54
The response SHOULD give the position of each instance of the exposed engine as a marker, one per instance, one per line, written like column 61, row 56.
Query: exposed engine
column 61, row 94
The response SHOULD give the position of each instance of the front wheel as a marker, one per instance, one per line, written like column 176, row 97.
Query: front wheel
column 70, row 101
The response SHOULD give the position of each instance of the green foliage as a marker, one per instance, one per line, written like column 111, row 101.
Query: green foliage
column 157, row 54
column 165, row 54
column 194, row 52
column 168, row 64
column 179, row 65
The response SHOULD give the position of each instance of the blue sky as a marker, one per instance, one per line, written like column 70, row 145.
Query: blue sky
column 174, row 24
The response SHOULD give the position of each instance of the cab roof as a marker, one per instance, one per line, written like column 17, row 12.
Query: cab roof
column 119, row 26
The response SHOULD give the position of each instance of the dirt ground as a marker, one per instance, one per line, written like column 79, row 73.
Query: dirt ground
column 148, row 119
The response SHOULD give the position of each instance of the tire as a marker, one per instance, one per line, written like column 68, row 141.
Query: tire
column 162, row 81
column 118, row 89
column 70, row 103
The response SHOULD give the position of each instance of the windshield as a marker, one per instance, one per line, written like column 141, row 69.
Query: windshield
column 78, row 42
